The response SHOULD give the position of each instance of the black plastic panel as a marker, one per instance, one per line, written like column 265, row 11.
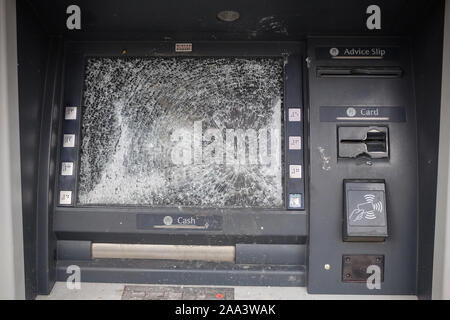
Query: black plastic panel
column 328, row 172
column 101, row 221
column 270, row 254
column 42, row 30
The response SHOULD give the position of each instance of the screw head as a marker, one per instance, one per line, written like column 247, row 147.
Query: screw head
column 327, row 267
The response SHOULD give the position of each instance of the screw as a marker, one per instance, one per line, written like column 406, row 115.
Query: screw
column 327, row 267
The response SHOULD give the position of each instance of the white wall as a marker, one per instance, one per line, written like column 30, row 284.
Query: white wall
column 12, row 282
column 441, row 267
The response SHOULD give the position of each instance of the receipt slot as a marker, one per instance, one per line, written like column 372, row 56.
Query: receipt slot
column 365, row 214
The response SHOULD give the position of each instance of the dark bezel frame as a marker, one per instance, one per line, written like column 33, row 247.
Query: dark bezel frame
column 236, row 221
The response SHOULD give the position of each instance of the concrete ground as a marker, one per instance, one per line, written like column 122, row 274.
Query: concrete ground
column 113, row 291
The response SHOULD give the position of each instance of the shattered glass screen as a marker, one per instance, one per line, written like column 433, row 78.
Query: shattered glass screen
column 192, row 132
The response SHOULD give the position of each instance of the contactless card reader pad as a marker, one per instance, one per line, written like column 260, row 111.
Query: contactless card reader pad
column 365, row 213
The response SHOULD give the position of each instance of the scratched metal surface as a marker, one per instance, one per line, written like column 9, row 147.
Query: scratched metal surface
column 203, row 132
column 176, row 293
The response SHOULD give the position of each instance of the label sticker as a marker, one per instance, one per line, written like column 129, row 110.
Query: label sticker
column 183, row 47
column 69, row 141
column 65, row 197
column 295, row 200
column 294, row 114
column 67, row 168
column 295, row 171
column 295, row 143
column 70, row 113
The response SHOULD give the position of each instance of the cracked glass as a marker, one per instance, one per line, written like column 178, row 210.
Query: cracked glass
column 182, row 132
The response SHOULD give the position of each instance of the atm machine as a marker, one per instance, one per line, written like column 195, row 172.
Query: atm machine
column 230, row 143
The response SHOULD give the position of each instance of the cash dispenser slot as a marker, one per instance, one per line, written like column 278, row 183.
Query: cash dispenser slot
column 363, row 141
column 370, row 72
